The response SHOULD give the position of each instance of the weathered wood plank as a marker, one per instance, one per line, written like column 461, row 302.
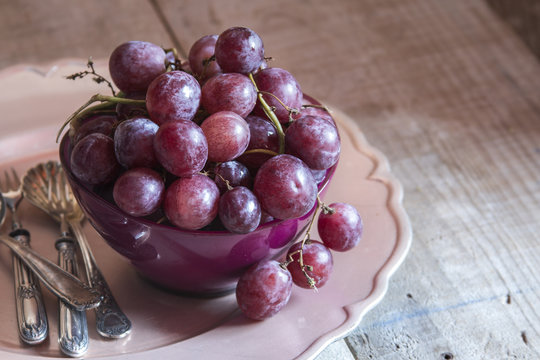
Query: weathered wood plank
column 42, row 31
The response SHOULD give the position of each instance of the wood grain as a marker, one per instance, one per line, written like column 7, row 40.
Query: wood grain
column 445, row 89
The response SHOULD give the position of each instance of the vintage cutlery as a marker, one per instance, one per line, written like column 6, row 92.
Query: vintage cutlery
column 31, row 316
column 111, row 322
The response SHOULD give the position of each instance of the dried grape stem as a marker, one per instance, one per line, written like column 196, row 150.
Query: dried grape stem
column 271, row 115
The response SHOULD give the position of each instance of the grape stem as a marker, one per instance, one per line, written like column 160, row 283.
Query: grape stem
column 106, row 102
column 260, row 151
column 96, row 77
column 271, row 115
column 292, row 111
column 304, row 267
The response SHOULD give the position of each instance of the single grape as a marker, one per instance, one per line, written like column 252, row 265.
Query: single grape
column 263, row 290
column 315, row 111
column 285, row 187
column 239, row 210
column 134, row 143
column 139, row 191
column 284, row 87
column 227, row 134
column 239, row 50
column 265, row 217
column 229, row 92
column 191, row 202
column 341, row 230
column 317, row 257
column 103, row 124
column 313, row 140
column 234, row 172
column 135, row 64
column 181, row 147
column 200, row 52
column 128, row 111
column 173, row 96
column 318, row 175
column 263, row 136
column 93, row 160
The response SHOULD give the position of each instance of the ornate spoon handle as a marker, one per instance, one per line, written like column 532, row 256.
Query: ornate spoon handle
column 31, row 315
column 62, row 284
column 111, row 322
column 72, row 325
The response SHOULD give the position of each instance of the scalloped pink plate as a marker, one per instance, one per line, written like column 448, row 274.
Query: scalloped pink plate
column 34, row 103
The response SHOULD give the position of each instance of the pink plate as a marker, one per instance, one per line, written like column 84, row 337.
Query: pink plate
column 34, row 102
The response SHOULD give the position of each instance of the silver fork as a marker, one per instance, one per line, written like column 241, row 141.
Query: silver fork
column 31, row 316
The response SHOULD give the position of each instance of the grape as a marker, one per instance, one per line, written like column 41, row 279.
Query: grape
column 139, row 191
column 181, row 147
column 127, row 111
column 227, row 134
column 285, row 187
column 239, row 50
column 239, row 210
column 263, row 135
column 313, row 140
column 234, row 172
column 284, row 86
column 265, row 217
column 93, row 160
column 315, row 255
column 133, row 143
column 342, row 230
column 191, row 202
column 263, row 290
column 315, row 111
column 318, row 175
column 134, row 64
column 173, row 96
column 201, row 51
column 103, row 124
column 232, row 92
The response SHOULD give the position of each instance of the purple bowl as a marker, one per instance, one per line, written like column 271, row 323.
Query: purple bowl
column 202, row 263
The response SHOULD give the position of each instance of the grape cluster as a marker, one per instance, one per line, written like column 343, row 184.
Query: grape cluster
column 218, row 139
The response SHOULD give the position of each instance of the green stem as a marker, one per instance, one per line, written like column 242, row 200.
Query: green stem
column 271, row 115
column 260, row 151
column 106, row 101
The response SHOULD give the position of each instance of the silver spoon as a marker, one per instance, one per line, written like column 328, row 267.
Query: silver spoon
column 59, row 282
column 111, row 322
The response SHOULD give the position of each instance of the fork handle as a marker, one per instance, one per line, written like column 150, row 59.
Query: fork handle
column 72, row 324
column 60, row 282
column 31, row 316
column 111, row 322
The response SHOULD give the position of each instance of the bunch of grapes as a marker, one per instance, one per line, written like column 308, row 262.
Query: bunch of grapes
column 218, row 141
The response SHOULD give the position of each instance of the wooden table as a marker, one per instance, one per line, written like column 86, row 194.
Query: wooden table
column 445, row 89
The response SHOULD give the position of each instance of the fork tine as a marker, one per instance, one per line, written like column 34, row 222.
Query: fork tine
column 16, row 179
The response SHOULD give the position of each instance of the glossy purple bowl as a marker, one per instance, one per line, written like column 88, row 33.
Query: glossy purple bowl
column 202, row 263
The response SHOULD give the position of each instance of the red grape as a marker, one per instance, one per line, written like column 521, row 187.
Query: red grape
column 103, row 124
column 342, row 230
column 127, row 111
column 181, row 147
column 201, row 51
column 239, row 50
column 134, row 64
column 313, row 140
column 191, row 202
column 231, row 92
column 317, row 257
column 234, row 172
column 315, row 111
column 93, row 160
column 173, row 96
column 285, row 187
column 263, row 135
column 263, row 290
column 133, row 143
column 139, row 191
column 227, row 134
column 239, row 210
column 284, row 86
